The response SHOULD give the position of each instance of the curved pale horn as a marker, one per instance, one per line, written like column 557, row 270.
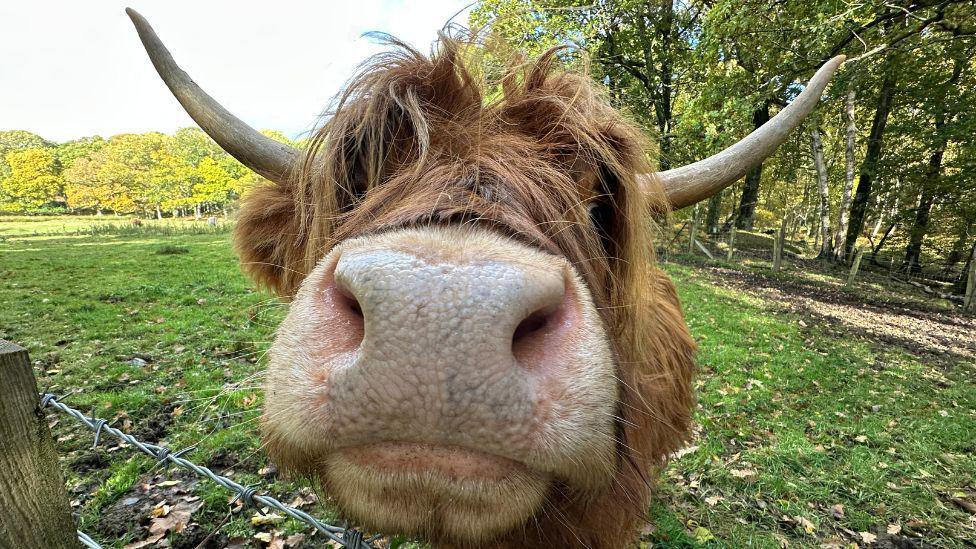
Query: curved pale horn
column 262, row 154
column 695, row 182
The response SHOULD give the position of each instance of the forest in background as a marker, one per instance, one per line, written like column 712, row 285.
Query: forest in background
column 886, row 162
column 149, row 174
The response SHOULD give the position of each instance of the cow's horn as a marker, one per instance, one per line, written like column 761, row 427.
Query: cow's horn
column 695, row 182
column 262, row 154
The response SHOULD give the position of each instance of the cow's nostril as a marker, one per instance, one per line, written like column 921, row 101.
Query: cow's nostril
column 532, row 324
column 350, row 302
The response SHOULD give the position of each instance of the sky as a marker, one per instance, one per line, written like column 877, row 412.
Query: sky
column 74, row 68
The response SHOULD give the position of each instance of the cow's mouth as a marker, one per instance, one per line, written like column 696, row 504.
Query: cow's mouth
column 441, row 492
column 448, row 461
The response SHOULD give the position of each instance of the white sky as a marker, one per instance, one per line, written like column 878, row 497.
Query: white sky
column 71, row 68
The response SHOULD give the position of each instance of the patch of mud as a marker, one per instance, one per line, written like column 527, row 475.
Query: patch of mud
column 222, row 460
column 154, row 428
column 132, row 512
column 90, row 460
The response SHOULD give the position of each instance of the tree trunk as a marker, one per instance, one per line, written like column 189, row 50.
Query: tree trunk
column 923, row 213
column 750, row 191
column 713, row 217
column 843, row 211
column 196, row 211
column 869, row 167
column 826, row 249
column 933, row 171
column 663, row 107
column 961, row 287
column 159, row 212
column 888, row 209
column 881, row 243
column 959, row 247
column 656, row 50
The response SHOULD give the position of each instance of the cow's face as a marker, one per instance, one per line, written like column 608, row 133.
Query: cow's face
column 479, row 349
column 440, row 379
column 462, row 331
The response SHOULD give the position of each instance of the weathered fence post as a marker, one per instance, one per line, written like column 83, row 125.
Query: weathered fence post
column 34, row 510
column 776, row 253
column 855, row 265
column 692, row 231
column 731, row 243
column 969, row 304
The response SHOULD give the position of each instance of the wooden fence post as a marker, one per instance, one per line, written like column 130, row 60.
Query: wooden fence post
column 34, row 510
column 692, row 231
column 855, row 265
column 970, row 302
column 776, row 253
column 731, row 243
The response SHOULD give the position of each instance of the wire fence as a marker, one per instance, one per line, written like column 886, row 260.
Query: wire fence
column 352, row 539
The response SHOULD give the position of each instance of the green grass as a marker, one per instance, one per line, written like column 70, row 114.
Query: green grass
column 19, row 226
column 792, row 420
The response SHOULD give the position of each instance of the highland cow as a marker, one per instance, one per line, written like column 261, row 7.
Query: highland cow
column 479, row 350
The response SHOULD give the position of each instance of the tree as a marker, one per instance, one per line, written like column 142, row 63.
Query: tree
column 826, row 246
column 933, row 171
column 12, row 140
column 850, row 144
column 34, row 178
column 869, row 166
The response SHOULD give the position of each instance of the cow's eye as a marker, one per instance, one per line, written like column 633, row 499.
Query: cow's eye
column 601, row 217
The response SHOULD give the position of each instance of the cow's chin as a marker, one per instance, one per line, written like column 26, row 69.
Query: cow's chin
column 437, row 492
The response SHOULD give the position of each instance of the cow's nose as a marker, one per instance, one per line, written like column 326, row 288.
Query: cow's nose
column 446, row 314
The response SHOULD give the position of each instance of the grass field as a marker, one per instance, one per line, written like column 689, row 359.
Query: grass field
column 64, row 225
column 809, row 432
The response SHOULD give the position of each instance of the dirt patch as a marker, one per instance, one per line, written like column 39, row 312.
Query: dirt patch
column 89, row 460
column 134, row 511
column 154, row 428
column 917, row 328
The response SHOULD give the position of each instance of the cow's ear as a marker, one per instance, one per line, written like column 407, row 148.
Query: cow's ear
column 268, row 240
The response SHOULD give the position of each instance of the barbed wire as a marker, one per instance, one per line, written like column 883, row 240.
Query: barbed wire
column 87, row 541
column 352, row 539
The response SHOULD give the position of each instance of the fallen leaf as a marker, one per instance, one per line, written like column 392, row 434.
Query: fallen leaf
column 807, row 526
column 174, row 520
column 300, row 501
column 868, row 537
column 894, row 529
column 151, row 540
column 965, row 505
column 160, row 510
column 268, row 518
column 712, row 500
column 747, row 474
column 837, row 511
column 703, row 535
column 915, row 524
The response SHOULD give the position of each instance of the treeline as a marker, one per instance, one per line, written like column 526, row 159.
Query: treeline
column 888, row 162
column 148, row 174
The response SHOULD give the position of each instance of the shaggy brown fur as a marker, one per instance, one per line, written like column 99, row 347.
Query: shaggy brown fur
column 417, row 140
